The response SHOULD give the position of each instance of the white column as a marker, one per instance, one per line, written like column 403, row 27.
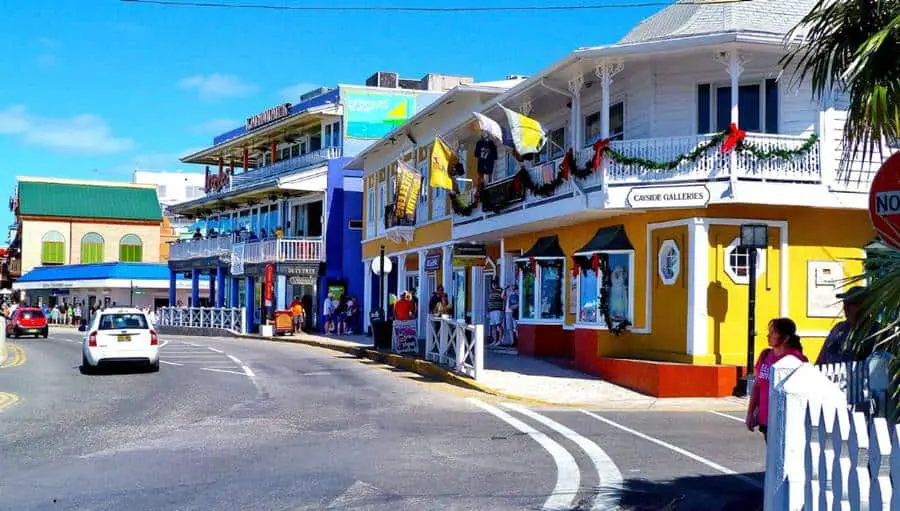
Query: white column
column 423, row 296
column 367, row 293
column 575, row 86
column 447, row 266
column 401, row 274
column 605, row 72
column 501, row 262
column 697, row 273
column 734, row 63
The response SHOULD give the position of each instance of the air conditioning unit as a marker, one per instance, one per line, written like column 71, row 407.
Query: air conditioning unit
column 384, row 79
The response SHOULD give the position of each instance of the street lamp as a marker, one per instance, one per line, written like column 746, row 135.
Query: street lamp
column 753, row 238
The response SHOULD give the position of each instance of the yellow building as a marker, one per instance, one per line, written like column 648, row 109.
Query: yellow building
column 623, row 232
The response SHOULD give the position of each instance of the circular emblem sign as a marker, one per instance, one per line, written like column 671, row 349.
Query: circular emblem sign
column 884, row 201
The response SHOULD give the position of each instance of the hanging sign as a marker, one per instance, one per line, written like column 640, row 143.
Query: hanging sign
column 216, row 182
column 656, row 197
column 271, row 115
column 884, row 201
column 405, row 338
column 409, row 185
column 270, row 285
column 432, row 262
column 237, row 259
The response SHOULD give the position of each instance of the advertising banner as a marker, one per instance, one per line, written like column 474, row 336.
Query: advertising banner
column 375, row 114
column 270, row 285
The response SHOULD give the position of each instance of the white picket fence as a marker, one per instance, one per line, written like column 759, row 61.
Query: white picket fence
column 455, row 345
column 823, row 452
column 231, row 319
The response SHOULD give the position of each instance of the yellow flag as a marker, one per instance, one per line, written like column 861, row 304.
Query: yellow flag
column 443, row 160
column 408, row 189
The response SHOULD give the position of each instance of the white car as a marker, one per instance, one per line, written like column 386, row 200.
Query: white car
column 119, row 335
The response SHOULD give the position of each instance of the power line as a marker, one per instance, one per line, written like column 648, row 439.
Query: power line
column 495, row 8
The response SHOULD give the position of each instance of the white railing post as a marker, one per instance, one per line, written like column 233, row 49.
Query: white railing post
column 779, row 421
column 840, row 468
column 858, row 478
column 445, row 334
column 478, row 357
column 880, row 491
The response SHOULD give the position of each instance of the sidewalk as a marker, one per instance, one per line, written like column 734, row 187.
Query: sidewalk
column 522, row 378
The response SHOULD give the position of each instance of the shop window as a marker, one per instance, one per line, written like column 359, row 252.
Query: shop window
column 370, row 213
column 91, row 248
column 737, row 262
column 610, row 284
column 541, row 288
column 131, row 249
column 53, row 248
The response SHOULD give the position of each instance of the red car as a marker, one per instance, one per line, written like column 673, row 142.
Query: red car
column 27, row 321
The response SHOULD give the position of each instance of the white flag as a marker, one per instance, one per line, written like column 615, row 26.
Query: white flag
column 490, row 126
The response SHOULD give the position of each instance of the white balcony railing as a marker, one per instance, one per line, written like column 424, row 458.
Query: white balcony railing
column 285, row 250
column 712, row 165
column 191, row 249
column 277, row 169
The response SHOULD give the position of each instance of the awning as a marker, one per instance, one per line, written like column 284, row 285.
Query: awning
column 876, row 245
column 607, row 238
column 548, row 246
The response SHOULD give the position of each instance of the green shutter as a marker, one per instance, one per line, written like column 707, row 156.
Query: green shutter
column 53, row 252
column 91, row 253
column 131, row 253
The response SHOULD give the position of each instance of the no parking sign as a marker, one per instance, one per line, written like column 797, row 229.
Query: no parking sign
column 884, row 201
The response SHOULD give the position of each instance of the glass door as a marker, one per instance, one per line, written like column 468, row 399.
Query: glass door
column 459, row 296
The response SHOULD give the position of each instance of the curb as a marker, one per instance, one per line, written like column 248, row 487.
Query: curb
column 436, row 372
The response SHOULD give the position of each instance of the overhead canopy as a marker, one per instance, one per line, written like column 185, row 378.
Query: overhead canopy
column 607, row 238
column 548, row 246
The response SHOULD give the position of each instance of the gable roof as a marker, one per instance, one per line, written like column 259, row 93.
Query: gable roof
column 74, row 199
column 688, row 18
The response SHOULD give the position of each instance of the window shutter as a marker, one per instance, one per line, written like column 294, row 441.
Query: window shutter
column 703, row 99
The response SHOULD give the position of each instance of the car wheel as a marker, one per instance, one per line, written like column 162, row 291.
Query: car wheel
column 85, row 366
column 154, row 368
column 46, row 333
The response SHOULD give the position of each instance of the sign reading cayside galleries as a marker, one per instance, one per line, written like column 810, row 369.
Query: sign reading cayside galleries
column 654, row 197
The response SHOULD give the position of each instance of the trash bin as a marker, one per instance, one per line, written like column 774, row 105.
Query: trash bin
column 382, row 333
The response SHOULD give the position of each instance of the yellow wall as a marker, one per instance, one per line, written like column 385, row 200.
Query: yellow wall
column 424, row 236
column 813, row 234
column 34, row 230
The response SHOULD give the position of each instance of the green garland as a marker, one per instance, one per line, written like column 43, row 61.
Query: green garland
column 582, row 172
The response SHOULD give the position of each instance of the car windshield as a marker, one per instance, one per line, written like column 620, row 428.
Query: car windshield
column 32, row 314
column 123, row 321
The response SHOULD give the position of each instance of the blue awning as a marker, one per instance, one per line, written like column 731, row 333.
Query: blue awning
column 101, row 271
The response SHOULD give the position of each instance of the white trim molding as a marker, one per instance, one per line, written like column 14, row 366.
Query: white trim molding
column 698, row 284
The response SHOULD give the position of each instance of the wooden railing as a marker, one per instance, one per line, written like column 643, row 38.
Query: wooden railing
column 455, row 345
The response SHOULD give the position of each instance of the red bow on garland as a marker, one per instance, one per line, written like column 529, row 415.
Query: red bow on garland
column 600, row 147
column 595, row 263
column 533, row 263
column 564, row 168
column 735, row 137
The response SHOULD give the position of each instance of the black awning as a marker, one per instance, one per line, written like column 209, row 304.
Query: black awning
column 548, row 246
column 607, row 238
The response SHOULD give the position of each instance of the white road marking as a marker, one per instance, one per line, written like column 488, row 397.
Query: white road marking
column 243, row 366
column 222, row 370
column 316, row 373
column 679, row 450
column 568, row 476
column 170, row 363
column 210, row 348
column 732, row 417
column 163, row 345
column 610, row 476
column 62, row 339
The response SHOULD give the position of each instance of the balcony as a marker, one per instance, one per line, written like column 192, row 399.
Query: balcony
column 15, row 267
column 710, row 166
column 196, row 249
column 285, row 250
column 284, row 167
column 398, row 227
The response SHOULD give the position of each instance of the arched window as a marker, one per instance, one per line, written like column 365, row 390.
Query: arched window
column 131, row 249
column 91, row 248
column 53, row 248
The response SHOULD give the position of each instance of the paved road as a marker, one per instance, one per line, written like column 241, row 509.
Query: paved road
column 241, row 424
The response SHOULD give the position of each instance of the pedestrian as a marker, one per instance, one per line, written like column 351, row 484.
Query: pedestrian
column 352, row 308
column 297, row 316
column 328, row 314
column 77, row 314
column 339, row 315
column 512, row 313
column 783, row 341
column 402, row 307
column 838, row 345
column 495, row 313
column 435, row 299
column 443, row 308
column 197, row 234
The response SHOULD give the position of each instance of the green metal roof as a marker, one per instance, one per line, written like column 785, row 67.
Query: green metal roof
column 88, row 201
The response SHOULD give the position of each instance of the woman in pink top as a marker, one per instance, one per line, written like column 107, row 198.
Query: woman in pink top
column 783, row 341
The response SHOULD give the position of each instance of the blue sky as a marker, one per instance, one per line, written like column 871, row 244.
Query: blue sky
column 94, row 89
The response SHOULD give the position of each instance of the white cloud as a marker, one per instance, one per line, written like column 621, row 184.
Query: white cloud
column 46, row 60
column 292, row 93
column 217, row 86
column 215, row 126
column 80, row 134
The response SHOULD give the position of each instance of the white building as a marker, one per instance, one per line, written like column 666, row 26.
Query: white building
column 173, row 187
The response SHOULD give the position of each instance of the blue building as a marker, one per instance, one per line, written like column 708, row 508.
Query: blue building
column 281, row 216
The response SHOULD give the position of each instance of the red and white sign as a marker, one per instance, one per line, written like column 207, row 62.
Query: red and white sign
column 269, row 285
column 884, row 201
column 216, row 182
column 270, row 115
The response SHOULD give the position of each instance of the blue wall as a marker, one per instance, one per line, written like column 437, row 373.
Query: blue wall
column 343, row 246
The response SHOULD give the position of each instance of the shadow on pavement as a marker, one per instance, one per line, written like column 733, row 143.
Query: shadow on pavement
column 114, row 369
column 694, row 493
